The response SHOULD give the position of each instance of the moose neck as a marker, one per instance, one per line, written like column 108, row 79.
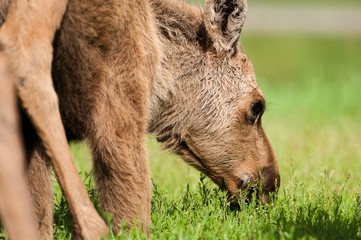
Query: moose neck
column 180, row 29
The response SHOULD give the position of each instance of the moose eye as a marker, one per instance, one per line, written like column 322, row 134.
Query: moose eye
column 257, row 108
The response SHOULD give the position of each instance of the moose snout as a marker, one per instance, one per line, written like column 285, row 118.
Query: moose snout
column 246, row 186
column 270, row 180
column 245, row 181
column 263, row 186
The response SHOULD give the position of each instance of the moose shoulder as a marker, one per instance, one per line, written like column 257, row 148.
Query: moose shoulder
column 173, row 70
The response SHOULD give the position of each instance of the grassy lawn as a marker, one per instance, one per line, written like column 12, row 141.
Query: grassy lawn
column 314, row 123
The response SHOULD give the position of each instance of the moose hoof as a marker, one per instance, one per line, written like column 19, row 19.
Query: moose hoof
column 91, row 226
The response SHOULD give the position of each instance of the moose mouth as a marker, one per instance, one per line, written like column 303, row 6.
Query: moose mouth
column 241, row 196
column 235, row 199
column 186, row 148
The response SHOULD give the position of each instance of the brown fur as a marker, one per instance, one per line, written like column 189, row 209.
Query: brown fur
column 206, row 116
column 170, row 69
column 26, row 56
column 115, row 60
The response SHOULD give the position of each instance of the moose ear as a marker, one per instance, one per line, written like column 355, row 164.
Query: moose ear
column 224, row 20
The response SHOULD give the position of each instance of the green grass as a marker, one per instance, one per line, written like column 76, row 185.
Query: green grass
column 313, row 120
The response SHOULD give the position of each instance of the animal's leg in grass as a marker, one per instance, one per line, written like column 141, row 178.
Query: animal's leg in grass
column 15, row 203
column 122, row 179
column 41, row 190
column 120, row 161
column 26, row 37
column 46, row 117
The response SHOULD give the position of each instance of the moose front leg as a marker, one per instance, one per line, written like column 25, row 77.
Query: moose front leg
column 87, row 222
column 122, row 178
column 121, row 166
column 26, row 39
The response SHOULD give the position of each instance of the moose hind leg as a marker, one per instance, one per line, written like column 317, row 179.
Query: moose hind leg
column 40, row 185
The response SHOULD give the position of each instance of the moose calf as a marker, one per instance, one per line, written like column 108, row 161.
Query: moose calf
column 122, row 69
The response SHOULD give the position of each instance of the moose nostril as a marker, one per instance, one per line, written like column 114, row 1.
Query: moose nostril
column 244, row 181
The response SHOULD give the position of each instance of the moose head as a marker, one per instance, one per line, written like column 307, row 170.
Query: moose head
column 212, row 112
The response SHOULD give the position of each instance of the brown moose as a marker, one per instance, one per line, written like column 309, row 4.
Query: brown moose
column 201, row 101
column 164, row 67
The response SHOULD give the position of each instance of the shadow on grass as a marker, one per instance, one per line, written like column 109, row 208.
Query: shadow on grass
column 321, row 215
column 320, row 224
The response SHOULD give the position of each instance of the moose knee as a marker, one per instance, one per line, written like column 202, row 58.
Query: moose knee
column 38, row 93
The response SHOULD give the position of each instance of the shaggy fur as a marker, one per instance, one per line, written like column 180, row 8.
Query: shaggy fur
column 117, row 61
column 209, row 115
column 173, row 70
column 25, row 64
